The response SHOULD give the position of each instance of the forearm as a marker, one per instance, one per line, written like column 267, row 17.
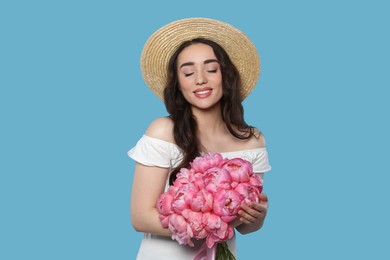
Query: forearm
column 148, row 184
column 245, row 228
column 148, row 222
column 248, row 228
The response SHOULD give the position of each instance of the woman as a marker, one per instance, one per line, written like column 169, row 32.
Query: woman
column 203, row 69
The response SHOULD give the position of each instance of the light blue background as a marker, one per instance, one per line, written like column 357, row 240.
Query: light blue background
column 73, row 101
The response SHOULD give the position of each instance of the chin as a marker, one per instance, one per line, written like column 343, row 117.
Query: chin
column 206, row 107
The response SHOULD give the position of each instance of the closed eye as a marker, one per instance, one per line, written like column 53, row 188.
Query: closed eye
column 188, row 74
column 212, row 71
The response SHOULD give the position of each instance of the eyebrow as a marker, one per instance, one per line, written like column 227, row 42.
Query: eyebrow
column 192, row 63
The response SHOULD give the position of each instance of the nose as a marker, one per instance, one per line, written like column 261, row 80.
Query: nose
column 201, row 78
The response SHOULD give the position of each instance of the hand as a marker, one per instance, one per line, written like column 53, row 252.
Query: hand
column 255, row 213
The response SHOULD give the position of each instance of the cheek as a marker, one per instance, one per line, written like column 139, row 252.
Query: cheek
column 184, row 83
column 218, row 81
column 220, row 78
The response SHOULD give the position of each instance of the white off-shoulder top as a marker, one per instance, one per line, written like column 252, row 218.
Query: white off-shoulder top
column 151, row 151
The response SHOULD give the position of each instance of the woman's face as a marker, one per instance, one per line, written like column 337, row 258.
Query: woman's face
column 199, row 75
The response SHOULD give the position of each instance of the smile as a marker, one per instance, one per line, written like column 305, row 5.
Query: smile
column 203, row 92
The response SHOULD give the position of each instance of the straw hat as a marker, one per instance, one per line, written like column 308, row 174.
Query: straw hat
column 164, row 42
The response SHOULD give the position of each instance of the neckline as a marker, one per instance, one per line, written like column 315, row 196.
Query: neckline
column 229, row 152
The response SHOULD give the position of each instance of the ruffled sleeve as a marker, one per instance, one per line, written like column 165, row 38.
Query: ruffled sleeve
column 260, row 160
column 151, row 151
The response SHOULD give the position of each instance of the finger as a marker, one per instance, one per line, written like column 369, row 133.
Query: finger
column 263, row 199
column 262, row 208
column 255, row 206
column 243, row 220
column 246, row 217
column 252, row 214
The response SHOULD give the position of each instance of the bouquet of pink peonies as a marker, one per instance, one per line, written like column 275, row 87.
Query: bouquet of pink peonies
column 204, row 199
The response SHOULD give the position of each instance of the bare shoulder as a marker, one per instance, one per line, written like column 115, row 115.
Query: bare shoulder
column 161, row 128
column 256, row 141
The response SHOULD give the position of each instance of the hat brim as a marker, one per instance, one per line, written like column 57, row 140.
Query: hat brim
column 165, row 41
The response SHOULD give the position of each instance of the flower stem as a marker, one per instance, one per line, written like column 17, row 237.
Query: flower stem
column 223, row 252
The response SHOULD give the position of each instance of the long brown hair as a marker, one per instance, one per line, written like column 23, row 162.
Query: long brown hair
column 185, row 126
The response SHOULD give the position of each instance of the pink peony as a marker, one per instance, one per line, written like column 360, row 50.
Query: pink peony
column 256, row 181
column 194, row 220
column 164, row 204
column 182, row 177
column 203, row 163
column 181, row 231
column 239, row 169
column 183, row 195
column 164, row 220
column 227, row 204
column 216, row 178
column 218, row 230
column 249, row 192
column 197, row 180
column 202, row 201
column 164, row 208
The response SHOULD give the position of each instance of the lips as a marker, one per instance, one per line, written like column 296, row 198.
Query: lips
column 203, row 92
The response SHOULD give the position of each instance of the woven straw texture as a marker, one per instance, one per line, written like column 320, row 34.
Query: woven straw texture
column 163, row 43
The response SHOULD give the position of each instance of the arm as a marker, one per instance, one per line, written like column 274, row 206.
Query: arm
column 148, row 184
